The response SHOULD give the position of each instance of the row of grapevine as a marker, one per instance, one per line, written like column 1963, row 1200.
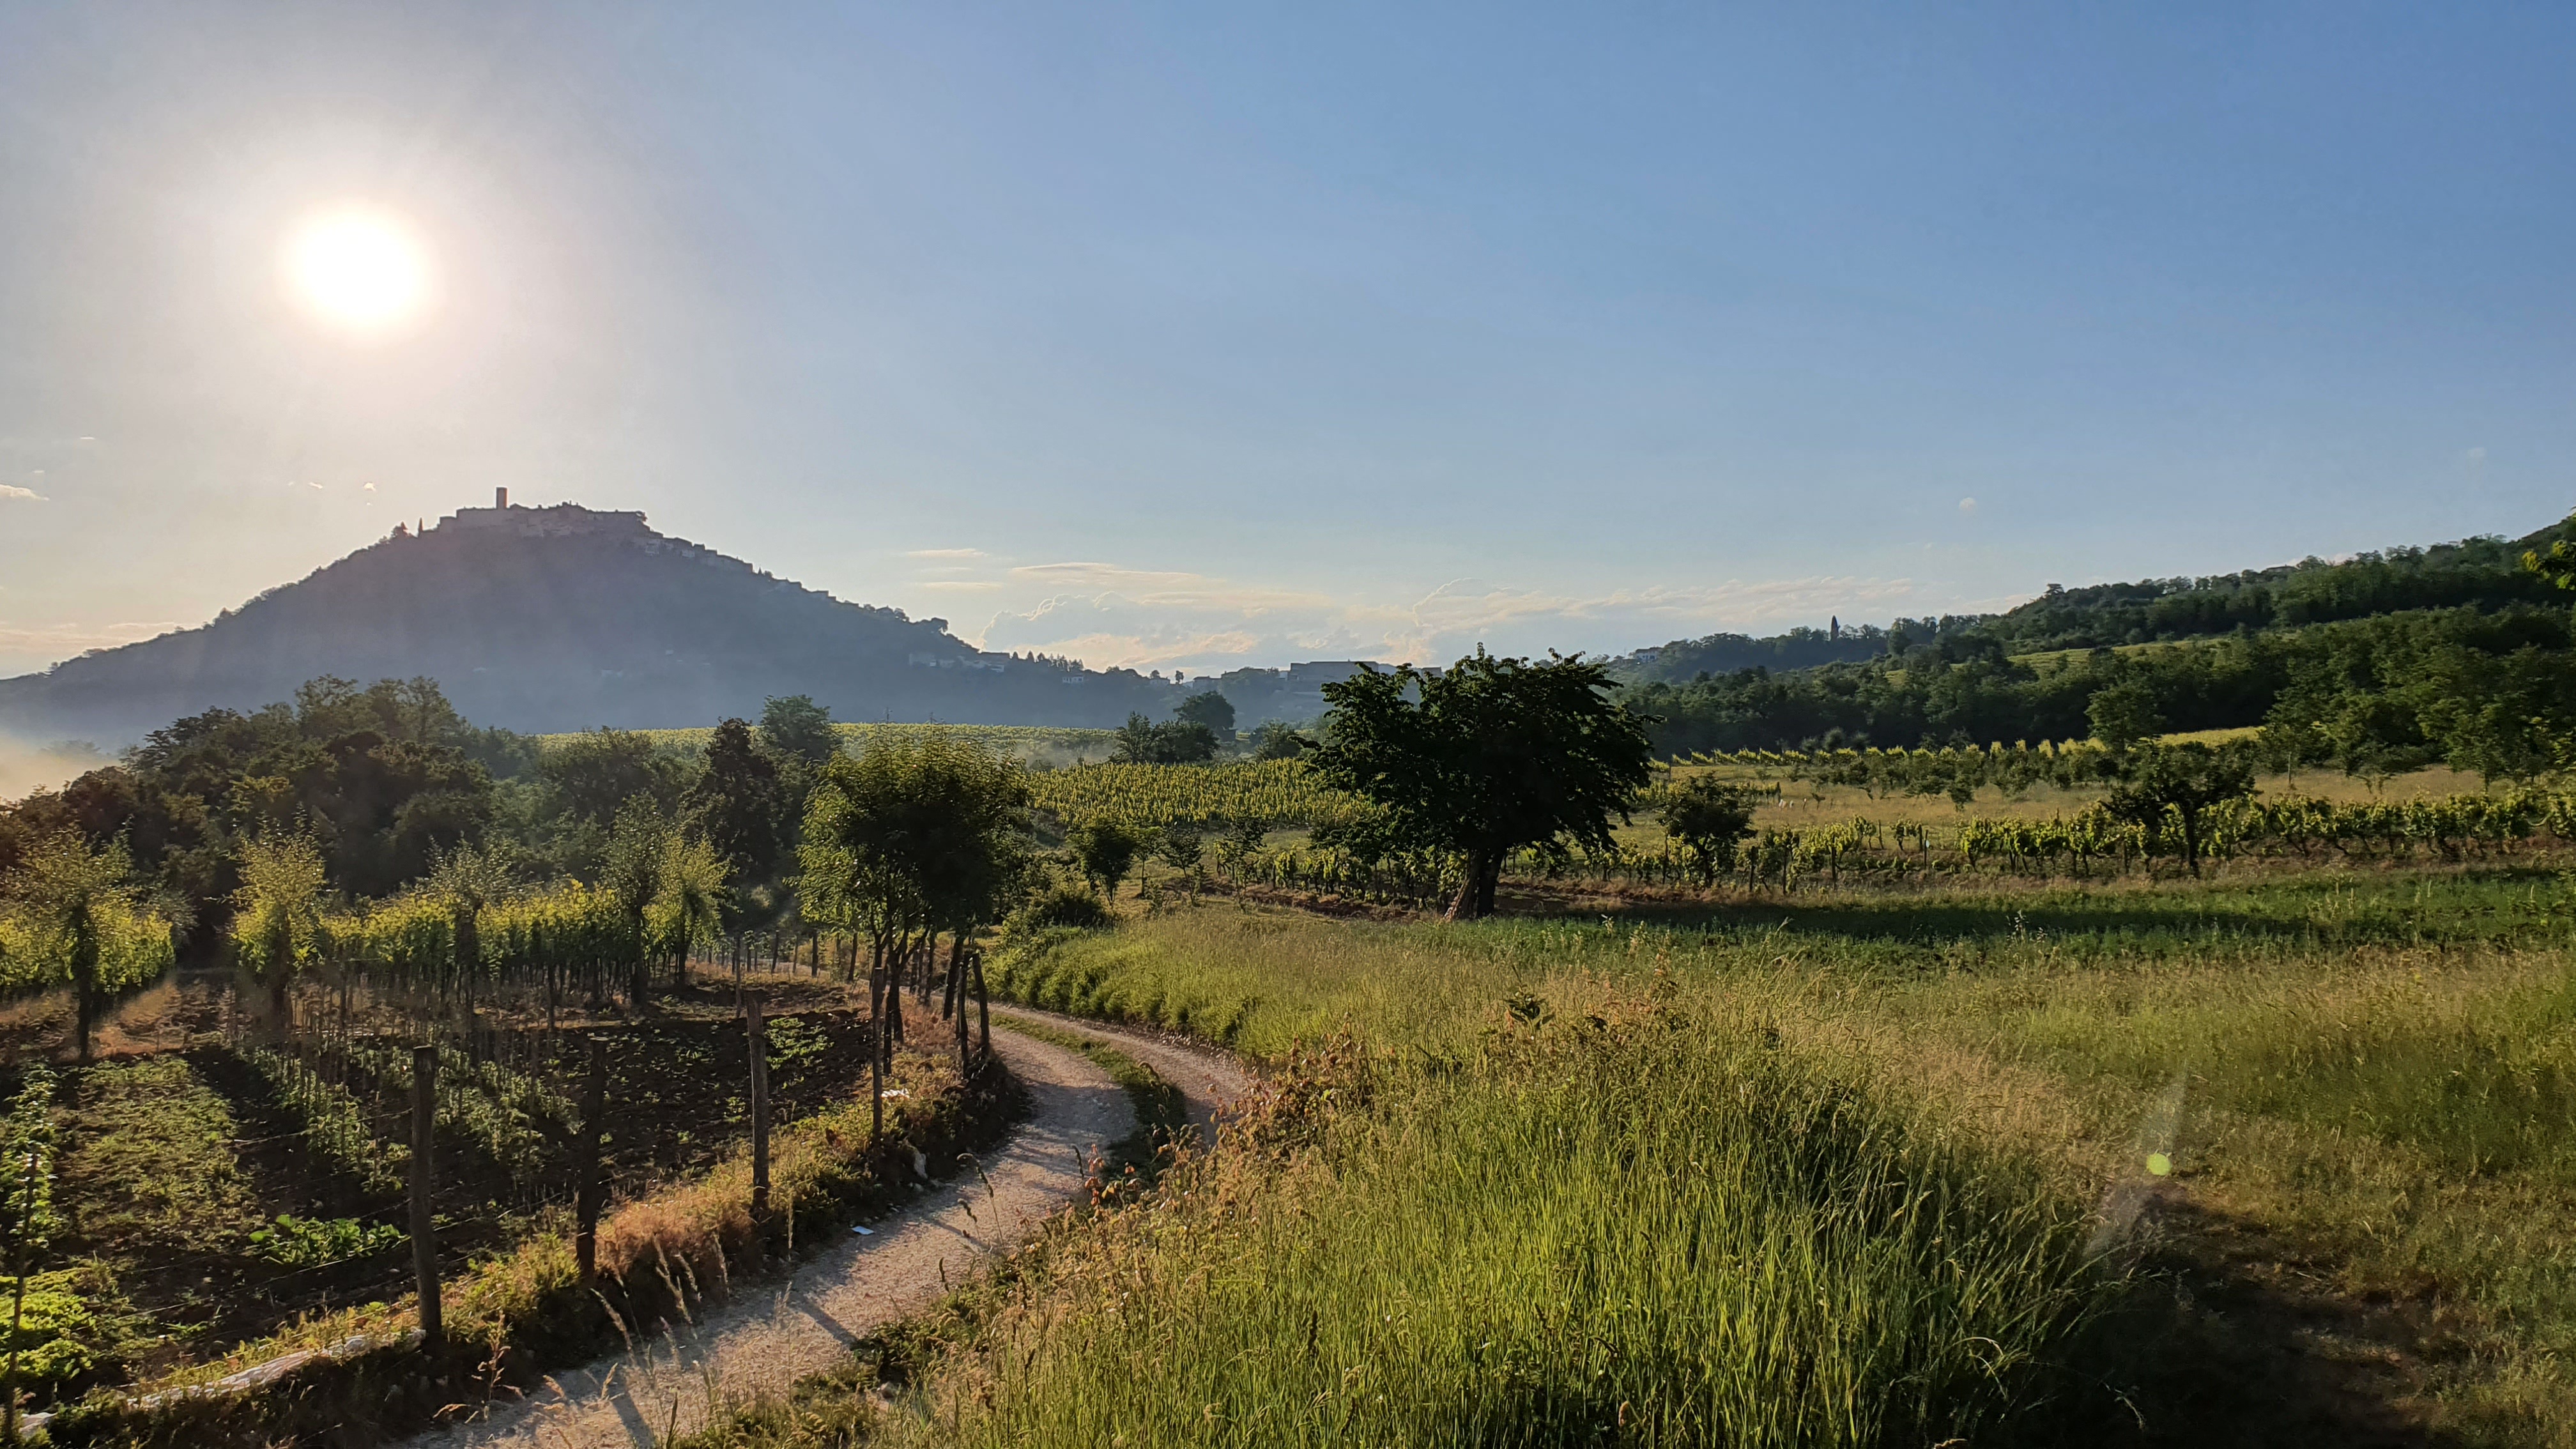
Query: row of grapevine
column 566, row 938
column 1827, row 759
column 134, row 948
column 2088, row 841
column 1278, row 793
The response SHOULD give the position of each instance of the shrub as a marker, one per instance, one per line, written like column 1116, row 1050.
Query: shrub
column 1064, row 905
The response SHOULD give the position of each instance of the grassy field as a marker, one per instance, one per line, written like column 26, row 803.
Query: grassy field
column 2283, row 1158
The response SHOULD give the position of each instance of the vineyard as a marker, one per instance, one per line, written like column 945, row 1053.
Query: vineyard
column 2087, row 845
column 1277, row 793
column 238, row 1187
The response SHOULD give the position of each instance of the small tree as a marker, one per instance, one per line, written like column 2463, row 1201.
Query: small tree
column 78, row 899
column 1276, row 741
column 1709, row 817
column 1180, row 742
column 795, row 725
column 1210, row 709
column 902, row 842
column 2183, row 781
column 631, row 873
column 2123, row 714
column 1106, row 850
column 1183, row 847
column 1242, row 839
column 1488, row 757
column 277, row 917
column 469, row 880
column 692, row 892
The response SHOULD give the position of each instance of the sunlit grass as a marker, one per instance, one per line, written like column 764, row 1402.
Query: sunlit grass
column 1639, row 1220
column 2375, row 1068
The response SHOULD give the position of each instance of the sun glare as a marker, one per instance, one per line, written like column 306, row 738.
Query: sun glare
column 361, row 270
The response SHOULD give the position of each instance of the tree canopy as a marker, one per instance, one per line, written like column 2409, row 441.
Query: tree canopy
column 796, row 726
column 1209, row 708
column 1175, row 742
column 1487, row 757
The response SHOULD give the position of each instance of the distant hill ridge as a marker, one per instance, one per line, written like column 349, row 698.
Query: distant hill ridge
column 2483, row 572
column 567, row 618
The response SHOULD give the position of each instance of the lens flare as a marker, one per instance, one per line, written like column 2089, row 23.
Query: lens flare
column 359, row 269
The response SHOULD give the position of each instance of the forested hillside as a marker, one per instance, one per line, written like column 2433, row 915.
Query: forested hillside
column 2455, row 651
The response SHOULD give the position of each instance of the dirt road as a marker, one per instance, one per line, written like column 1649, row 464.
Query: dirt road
column 1209, row 1079
column 763, row 1343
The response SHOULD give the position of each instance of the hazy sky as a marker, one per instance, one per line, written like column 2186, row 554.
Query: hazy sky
column 1211, row 335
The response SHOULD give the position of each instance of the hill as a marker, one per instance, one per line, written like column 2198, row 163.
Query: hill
column 2480, row 573
column 566, row 618
column 2380, row 662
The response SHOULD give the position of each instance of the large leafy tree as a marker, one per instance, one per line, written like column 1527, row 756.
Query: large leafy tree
column 589, row 779
column 1487, row 757
column 908, row 839
column 383, row 778
column 738, row 803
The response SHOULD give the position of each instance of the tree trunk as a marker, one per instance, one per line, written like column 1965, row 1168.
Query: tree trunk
column 948, row 983
column 1463, row 904
column 957, row 1006
column 983, row 1008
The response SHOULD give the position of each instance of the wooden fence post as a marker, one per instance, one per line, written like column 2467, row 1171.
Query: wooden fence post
column 424, row 1237
column 756, row 1037
column 587, row 1191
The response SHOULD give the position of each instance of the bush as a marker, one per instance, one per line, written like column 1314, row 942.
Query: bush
column 1063, row 905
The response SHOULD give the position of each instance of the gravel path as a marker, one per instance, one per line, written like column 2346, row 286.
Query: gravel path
column 763, row 1344
column 1210, row 1080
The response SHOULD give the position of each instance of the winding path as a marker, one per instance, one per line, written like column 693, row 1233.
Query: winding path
column 763, row 1342
column 1210, row 1080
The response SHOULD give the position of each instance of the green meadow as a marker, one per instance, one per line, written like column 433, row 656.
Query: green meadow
column 2280, row 1157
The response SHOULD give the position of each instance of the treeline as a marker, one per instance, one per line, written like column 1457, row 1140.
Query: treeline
column 2485, row 574
column 2481, row 573
column 387, row 780
column 2492, row 692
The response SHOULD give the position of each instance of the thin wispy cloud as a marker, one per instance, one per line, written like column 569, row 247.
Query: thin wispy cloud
column 56, row 639
column 944, row 553
column 1106, row 614
column 22, row 495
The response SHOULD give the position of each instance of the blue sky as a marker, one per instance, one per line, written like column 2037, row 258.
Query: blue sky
column 1190, row 336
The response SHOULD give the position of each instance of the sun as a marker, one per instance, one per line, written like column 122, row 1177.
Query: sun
column 359, row 269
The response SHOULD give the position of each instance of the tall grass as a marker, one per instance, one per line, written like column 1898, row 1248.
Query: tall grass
column 1660, row 1223
column 2372, row 1073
